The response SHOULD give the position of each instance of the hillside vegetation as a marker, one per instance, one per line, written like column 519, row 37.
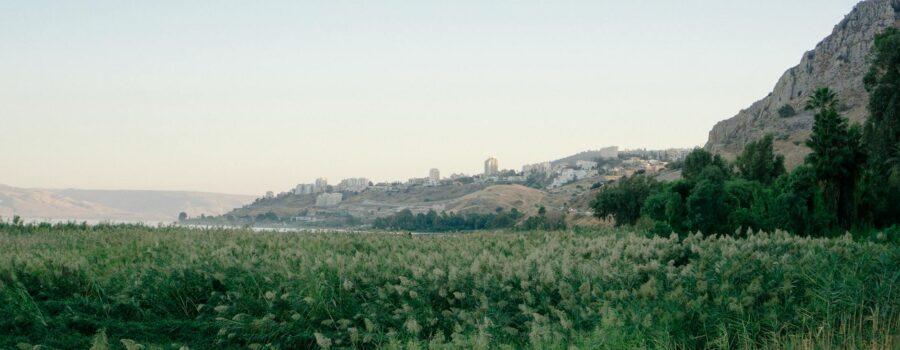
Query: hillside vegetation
column 73, row 286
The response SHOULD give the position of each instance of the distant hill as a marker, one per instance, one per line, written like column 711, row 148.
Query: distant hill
column 525, row 199
column 365, row 205
column 124, row 205
column 591, row 155
column 838, row 61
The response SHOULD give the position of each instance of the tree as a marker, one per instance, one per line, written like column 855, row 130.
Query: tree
column 708, row 208
column 623, row 201
column 836, row 156
column 759, row 162
column 798, row 206
column 543, row 221
column 822, row 99
column 182, row 216
column 880, row 187
column 667, row 207
column 698, row 160
column 752, row 205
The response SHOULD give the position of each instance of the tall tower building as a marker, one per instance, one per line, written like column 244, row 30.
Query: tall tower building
column 490, row 167
column 321, row 184
column 434, row 176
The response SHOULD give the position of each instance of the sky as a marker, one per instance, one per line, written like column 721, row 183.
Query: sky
column 244, row 96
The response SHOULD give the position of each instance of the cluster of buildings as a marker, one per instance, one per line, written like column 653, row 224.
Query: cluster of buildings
column 544, row 167
column 325, row 195
column 665, row 155
column 607, row 163
column 323, row 202
column 321, row 185
column 567, row 175
column 358, row 184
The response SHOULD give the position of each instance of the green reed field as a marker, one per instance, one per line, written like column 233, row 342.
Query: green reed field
column 134, row 287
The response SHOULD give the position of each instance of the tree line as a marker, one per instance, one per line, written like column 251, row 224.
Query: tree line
column 849, row 182
column 431, row 221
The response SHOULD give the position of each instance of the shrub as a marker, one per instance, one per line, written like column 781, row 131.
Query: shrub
column 786, row 111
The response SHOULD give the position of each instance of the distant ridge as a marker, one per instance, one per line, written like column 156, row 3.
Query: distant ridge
column 589, row 155
column 124, row 205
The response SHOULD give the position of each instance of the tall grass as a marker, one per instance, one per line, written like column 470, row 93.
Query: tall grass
column 64, row 286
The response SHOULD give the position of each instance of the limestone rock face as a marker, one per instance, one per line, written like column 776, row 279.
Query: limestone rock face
column 839, row 62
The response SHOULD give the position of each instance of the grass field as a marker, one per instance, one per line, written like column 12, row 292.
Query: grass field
column 117, row 287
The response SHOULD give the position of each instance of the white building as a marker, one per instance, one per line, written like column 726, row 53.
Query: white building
column 567, row 176
column 434, row 176
column 270, row 194
column 329, row 199
column 544, row 167
column 357, row 184
column 417, row 181
column 304, row 189
column 321, row 184
column 490, row 167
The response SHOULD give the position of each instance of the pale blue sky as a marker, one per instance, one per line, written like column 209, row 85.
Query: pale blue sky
column 243, row 97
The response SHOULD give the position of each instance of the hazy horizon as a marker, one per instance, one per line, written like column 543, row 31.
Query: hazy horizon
column 242, row 98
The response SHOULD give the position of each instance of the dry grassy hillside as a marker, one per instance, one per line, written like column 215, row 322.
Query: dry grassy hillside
column 524, row 199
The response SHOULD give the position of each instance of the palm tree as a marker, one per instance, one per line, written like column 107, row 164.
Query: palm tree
column 822, row 99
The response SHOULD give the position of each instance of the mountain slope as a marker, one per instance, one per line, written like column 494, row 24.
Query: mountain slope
column 838, row 61
column 126, row 205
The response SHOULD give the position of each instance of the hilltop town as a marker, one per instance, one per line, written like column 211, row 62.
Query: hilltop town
column 562, row 186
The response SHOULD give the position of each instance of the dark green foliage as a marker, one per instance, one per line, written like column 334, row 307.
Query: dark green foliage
column 624, row 199
column 822, row 99
column 698, row 160
column 880, row 186
column 444, row 222
column 786, row 111
column 751, row 203
column 544, row 222
column 708, row 207
column 836, row 158
column 882, row 133
column 668, row 206
column 718, row 204
column 759, row 162
column 798, row 205
column 267, row 216
column 762, row 198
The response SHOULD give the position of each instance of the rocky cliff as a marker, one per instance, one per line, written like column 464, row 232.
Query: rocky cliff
column 838, row 61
